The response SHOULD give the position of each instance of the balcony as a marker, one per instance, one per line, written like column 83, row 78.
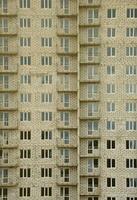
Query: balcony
column 90, row 3
column 89, row 60
column 69, row 123
column 71, row 88
column 71, row 107
column 12, row 162
column 10, row 9
column 72, row 162
column 95, row 154
column 68, row 11
column 10, row 142
column 70, row 69
column 91, row 116
column 62, row 144
column 8, row 182
column 11, row 29
column 9, row 85
column 11, row 122
column 66, row 51
column 9, row 50
column 10, row 104
column 84, row 171
column 72, row 181
column 88, row 23
column 8, row 69
column 95, row 191
column 90, row 41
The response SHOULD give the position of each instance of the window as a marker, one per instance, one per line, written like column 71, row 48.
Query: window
column 110, row 70
column 24, row 192
column 92, row 72
column 46, row 97
column 25, row 23
column 110, row 88
column 25, row 60
column 46, row 42
column 65, row 62
column 131, row 125
column 131, row 144
column 4, row 81
column 4, row 100
column 92, row 184
column 25, row 79
column 131, row 70
column 46, row 116
column 25, row 135
column 4, row 6
column 110, row 106
column 25, row 116
column 92, row 33
column 111, row 32
column 46, row 79
column 4, row 137
column 64, row 192
column 111, row 182
column 64, row 4
column 46, row 172
column 92, row 15
column 110, row 144
column 65, row 44
column 92, row 108
column 131, row 32
column 131, row 107
column 3, row 193
column 4, row 24
column 4, row 62
column 131, row 88
column 46, row 153
column 111, row 51
column 131, row 182
column 111, row 198
column 25, row 97
column 4, row 118
column 25, row 172
column 25, row 42
column 111, row 13
column 131, row 163
column 92, row 53
column 65, row 25
column 4, row 155
column 46, row 60
column 65, row 155
column 46, row 135
column 25, row 153
column 46, row 3
column 46, row 23
column 131, row 51
column 92, row 145
column 92, row 90
column 132, row 13
column 92, row 126
column 111, row 125
column 65, row 136
column 4, row 44
column 4, row 176
column 65, row 80
column 65, row 117
column 65, row 99
column 110, row 163
column 131, row 198
column 64, row 173
column 24, row 4
column 92, row 164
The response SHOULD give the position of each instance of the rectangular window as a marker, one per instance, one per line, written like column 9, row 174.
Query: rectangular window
column 25, row 42
column 92, row 164
column 111, row 32
column 25, row 97
column 46, row 60
column 25, row 172
column 4, row 81
column 25, row 60
column 4, row 137
column 4, row 118
column 24, row 4
column 131, row 163
column 111, row 125
column 64, row 173
column 4, row 62
column 131, row 107
column 46, row 3
column 46, row 116
column 25, row 116
column 111, row 51
column 64, row 4
column 25, row 192
column 110, row 70
column 65, row 136
column 4, row 194
column 65, row 118
column 25, row 79
column 4, row 24
column 131, row 125
column 4, row 176
column 65, row 44
column 111, row 13
column 46, row 153
column 110, row 107
column 46, row 79
column 25, row 23
column 65, row 25
column 46, row 23
column 131, row 32
column 65, row 99
column 110, row 163
column 65, row 155
column 131, row 51
column 92, row 53
column 25, row 135
column 110, row 144
column 131, row 70
column 46, row 172
column 46, row 135
column 25, row 153
column 111, row 198
column 110, row 88
column 92, row 33
column 131, row 182
column 92, row 15
column 92, row 184
column 46, row 42
column 131, row 144
column 92, row 145
column 4, row 100
column 46, row 97
column 132, row 13
column 111, row 182
column 92, row 126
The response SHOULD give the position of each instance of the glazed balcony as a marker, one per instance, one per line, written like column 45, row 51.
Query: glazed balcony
column 10, row 104
column 10, row 9
column 10, row 142
column 90, row 3
column 11, row 122
column 71, row 144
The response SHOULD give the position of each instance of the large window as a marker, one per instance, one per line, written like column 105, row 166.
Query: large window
column 46, row 3
column 24, row 4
